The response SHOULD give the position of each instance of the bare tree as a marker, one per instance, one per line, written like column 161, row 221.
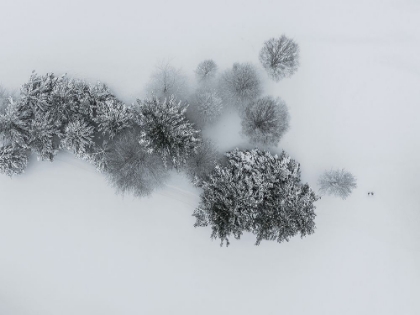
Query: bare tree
column 131, row 168
column 167, row 81
column 280, row 57
column 5, row 96
column 206, row 70
column 240, row 85
column 337, row 182
column 205, row 107
column 266, row 120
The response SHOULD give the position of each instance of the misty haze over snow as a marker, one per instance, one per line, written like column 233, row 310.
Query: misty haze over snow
column 70, row 245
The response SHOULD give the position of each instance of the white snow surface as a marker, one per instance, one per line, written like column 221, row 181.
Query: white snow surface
column 70, row 245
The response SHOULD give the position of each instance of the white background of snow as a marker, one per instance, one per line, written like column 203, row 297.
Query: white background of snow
column 69, row 245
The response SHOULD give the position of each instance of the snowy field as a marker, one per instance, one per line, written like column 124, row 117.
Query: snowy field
column 70, row 245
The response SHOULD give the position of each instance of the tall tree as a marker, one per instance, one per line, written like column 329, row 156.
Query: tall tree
column 167, row 131
column 130, row 167
column 259, row 193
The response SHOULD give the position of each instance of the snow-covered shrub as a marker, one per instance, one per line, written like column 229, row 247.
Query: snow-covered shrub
column 206, row 70
column 130, row 167
column 337, row 182
column 167, row 81
column 280, row 57
column 259, row 193
column 206, row 106
column 78, row 138
column 202, row 163
column 166, row 130
column 266, row 121
column 13, row 160
column 240, row 85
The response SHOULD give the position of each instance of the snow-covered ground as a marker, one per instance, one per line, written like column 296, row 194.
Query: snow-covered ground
column 69, row 245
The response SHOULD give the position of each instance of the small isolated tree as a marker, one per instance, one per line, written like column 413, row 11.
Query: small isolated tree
column 280, row 57
column 259, row 193
column 166, row 130
column 206, row 70
column 241, row 84
column 202, row 163
column 167, row 81
column 206, row 106
column 13, row 160
column 337, row 182
column 266, row 121
column 131, row 168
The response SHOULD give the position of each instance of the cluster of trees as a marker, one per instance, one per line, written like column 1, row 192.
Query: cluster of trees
column 54, row 113
column 254, row 191
column 264, row 119
column 136, row 145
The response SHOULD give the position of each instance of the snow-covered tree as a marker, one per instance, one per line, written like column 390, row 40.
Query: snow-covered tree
column 206, row 70
column 339, row 183
column 240, row 85
column 97, row 155
column 131, row 168
column 3, row 99
column 15, row 123
column 166, row 130
column 5, row 96
column 99, row 94
column 112, row 116
column 38, row 95
column 206, row 106
column 202, row 163
column 13, row 160
column 46, row 123
column 69, row 110
column 167, row 81
column 44, row 137
column 73, row 100
column 259, row 193
column 280, row 57
column 78, row 138
column 266, row 120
